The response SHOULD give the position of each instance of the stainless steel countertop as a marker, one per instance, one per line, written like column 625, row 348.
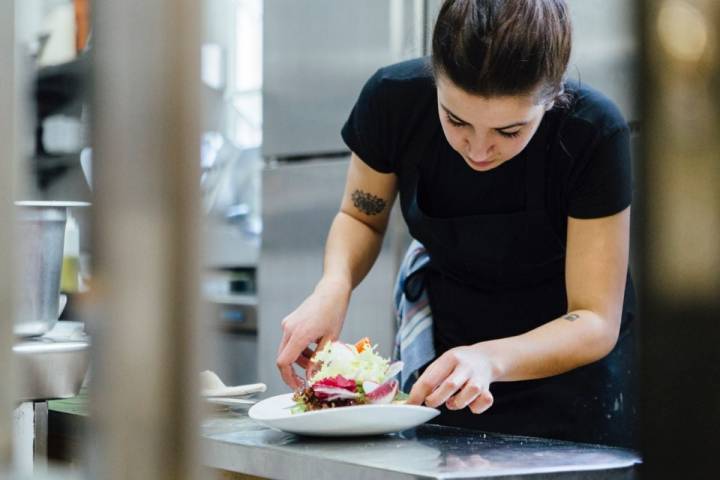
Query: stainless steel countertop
column 54, row 365
column 234, row 442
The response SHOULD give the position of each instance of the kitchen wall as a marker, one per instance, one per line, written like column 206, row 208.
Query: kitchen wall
column 606, row 50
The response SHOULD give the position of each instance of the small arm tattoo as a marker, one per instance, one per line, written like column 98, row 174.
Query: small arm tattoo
column 571, row 316
column 367, row 203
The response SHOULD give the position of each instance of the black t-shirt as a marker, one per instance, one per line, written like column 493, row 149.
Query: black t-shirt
column 588, row 175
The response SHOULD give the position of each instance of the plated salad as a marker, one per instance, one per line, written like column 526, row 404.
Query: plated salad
column 348, row 375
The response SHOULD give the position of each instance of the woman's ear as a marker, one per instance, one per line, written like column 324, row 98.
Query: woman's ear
column 559, row 96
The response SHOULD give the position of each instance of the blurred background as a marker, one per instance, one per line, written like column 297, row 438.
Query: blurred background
column 182, row 163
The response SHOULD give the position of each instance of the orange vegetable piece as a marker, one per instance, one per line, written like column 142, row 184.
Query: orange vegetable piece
column 363, row 344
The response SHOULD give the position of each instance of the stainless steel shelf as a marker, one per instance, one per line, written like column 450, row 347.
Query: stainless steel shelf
column 226, row 246
column 232, row 299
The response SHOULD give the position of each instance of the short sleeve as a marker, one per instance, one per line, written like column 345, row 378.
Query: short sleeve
column 604, row 186
column 366, row 130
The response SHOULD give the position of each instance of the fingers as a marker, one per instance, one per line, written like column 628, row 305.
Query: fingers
column 285, row 359
column 321, row 342
column 294, row 348
column 459, row 379
column 447, row 389
column 303, row 362
column 305, row 359
column 289, row 376
column 470, row 391
column 288, row 355
column 433, row 376
column 286, row 371
column 482, row 402
column 283, row 342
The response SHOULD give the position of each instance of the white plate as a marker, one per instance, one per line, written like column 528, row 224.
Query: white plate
column 274, row 412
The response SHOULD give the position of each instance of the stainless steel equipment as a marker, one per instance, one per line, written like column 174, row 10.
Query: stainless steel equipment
column 606, row 50
column 40, row 240
column 316, row 57
column 50, row 369
column 41, row 235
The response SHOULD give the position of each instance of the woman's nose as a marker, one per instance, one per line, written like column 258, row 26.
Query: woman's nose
column 478, row 147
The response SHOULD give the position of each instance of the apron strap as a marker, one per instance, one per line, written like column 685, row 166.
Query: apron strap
column 535, row 167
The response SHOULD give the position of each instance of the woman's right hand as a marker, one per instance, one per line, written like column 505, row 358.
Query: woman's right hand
column 318, row 320
column 351, row 248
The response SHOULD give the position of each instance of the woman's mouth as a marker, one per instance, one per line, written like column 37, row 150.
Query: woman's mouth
column 485, row 161
column 482, row 163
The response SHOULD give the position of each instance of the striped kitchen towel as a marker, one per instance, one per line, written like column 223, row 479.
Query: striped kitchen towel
column 414, row 339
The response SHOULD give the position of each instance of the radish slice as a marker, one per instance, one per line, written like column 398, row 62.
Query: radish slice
column 369, row 386
column 334, row 393
column 394, row 369
column 385, row 393
column 342, row 356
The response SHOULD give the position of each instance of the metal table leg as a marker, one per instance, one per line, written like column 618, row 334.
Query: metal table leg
column 40, row 446
column 23, row 433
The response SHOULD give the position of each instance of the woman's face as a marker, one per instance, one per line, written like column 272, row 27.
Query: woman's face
column 486, row 131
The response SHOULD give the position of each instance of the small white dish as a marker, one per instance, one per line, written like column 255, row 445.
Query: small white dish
column 275, row 412
column 51, row 204
column 230, row 402
column 238, row 391
column 212, row 386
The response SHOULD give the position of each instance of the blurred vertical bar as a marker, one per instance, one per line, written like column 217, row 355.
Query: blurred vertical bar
column 8, row 138
column 680, row 292
column 146, row 75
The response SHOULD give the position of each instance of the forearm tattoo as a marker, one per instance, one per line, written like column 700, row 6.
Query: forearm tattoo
column 368, row 203
column 571, row 316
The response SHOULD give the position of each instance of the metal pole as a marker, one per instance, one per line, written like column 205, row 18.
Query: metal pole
column 680, row 301
column 8, row 137
column 145, row 232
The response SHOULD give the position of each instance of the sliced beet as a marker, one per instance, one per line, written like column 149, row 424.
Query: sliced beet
column 394, row 369
column 369, row 386
column 384, row 393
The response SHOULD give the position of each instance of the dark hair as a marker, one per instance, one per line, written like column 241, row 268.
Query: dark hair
column 504, row 47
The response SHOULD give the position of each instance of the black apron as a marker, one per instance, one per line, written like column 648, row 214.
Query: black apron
column 498, row 275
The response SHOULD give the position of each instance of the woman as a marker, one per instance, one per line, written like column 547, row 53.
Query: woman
column 517, row 182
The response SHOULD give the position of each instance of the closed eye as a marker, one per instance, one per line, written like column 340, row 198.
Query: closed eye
column 455, row 122
column 458, row 123
column 509, row 134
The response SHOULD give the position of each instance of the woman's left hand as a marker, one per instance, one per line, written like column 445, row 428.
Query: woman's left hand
column 460, row 378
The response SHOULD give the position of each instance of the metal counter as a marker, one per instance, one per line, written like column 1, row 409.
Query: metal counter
column 235, row 443
column 49, row 369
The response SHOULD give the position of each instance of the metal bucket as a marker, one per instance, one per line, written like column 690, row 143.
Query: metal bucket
column 41, row 239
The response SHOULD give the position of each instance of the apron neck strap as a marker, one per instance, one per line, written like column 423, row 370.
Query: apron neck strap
column 535, row 163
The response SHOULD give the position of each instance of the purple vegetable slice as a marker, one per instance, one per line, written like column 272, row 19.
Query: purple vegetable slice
column 384, row 393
